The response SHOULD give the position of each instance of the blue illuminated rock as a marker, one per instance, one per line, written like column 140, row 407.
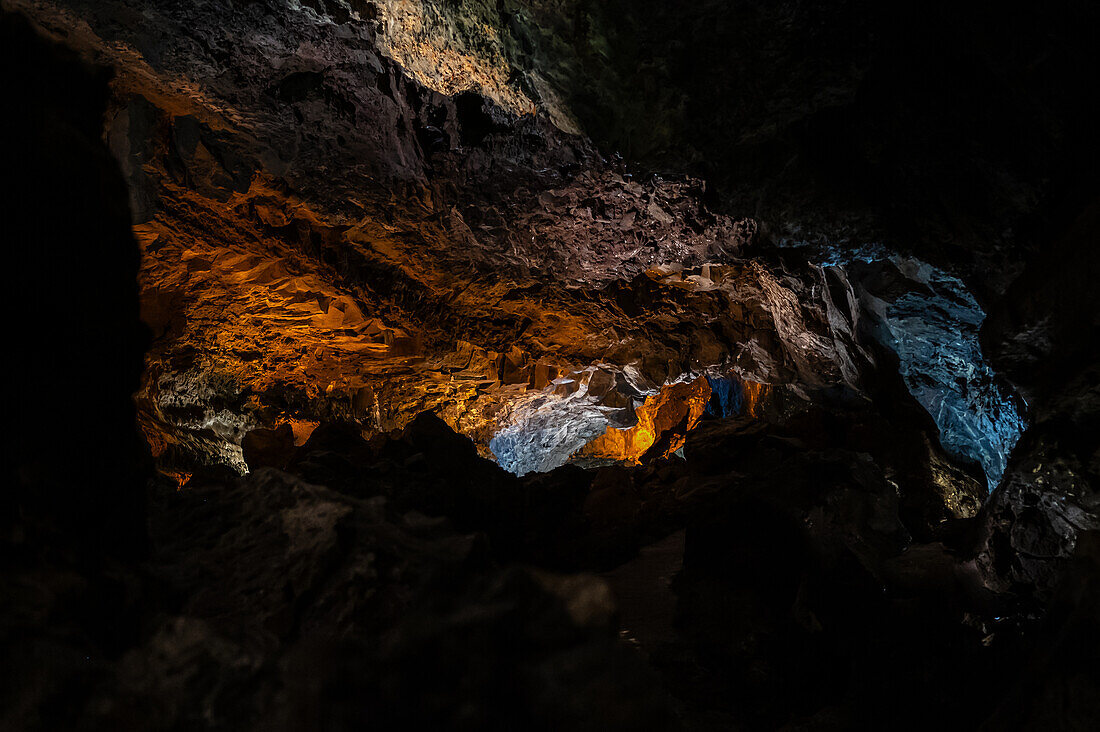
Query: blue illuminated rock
column 931, row 321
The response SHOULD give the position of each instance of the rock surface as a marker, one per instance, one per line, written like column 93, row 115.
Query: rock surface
column 377, row 248
column 946, row 130
column 325, row 238
column 1042, row 336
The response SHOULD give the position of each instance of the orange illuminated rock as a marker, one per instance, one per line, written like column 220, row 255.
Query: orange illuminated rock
column 349, row 245
column 669, row 414
column 754, row 393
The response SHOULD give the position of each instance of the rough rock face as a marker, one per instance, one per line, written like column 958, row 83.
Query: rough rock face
column 1042, row 336
column 930, row 321
column 371, row 303
column 465, row 259
column 945, row 130
column 377, row 248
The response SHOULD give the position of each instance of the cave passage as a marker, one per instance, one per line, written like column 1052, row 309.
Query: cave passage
column 566, row 423
column 928, row 318
column 618, row 366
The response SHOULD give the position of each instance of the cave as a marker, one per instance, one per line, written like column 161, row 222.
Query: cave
column 551, row 364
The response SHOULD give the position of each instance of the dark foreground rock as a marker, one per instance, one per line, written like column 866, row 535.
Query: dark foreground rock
column 1043, row 336
column 75, row 331
column 289, row 604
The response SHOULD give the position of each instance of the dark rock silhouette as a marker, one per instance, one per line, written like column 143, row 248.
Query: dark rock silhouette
column 78, row 341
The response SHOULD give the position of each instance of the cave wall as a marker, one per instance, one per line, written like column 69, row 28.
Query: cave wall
column 348, row 217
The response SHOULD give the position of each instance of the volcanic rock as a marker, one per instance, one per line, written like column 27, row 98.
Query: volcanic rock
column 460, row 419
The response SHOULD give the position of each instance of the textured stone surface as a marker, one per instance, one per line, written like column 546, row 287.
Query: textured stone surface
column 930, row 321
column 325, row 238
column 374, row 253
column 944, row 130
